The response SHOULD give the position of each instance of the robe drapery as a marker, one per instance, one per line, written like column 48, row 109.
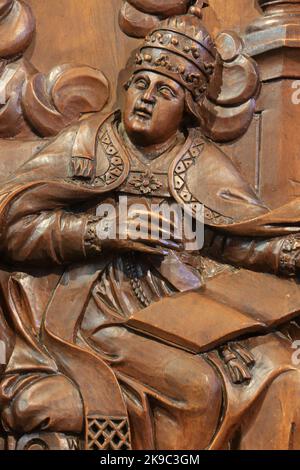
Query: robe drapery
column 43, row 219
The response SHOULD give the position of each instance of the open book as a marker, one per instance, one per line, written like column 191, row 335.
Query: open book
column 230, row 306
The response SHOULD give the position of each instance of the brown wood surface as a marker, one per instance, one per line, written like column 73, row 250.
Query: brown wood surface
column 87, row 31
column 114, row 339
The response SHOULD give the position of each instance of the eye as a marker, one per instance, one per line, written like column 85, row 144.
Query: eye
column 166, row 92
column 141, row 84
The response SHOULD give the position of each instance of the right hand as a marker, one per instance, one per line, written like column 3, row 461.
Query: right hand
column 117, row 234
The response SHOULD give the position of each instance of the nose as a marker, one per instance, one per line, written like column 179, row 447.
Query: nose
column 149, row 96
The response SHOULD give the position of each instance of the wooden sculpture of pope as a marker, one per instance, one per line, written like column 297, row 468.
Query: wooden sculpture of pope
column 169, row 348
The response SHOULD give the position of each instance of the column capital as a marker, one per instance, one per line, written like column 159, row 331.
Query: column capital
column 273, row 39
column 272, row 5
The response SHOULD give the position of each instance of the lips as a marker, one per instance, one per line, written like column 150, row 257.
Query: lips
column 143, row 112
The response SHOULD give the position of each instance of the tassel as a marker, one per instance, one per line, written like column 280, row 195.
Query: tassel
column 82, row 167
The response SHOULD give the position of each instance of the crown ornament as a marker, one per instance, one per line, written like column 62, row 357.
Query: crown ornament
column 182, row 49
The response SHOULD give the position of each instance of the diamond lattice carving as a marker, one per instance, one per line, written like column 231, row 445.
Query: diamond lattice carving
column 108, row 434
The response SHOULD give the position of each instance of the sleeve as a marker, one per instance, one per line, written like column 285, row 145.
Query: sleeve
column 37, row 224
column 274, row 255
column 54, row 237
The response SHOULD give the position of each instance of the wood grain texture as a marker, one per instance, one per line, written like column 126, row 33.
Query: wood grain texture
column 82, row 32
column 88, row 32
column 104, row 345
column 232, row 14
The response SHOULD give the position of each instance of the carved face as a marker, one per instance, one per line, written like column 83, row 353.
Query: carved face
column 154, row 108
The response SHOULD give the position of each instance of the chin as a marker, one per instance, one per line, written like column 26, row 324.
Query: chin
column 137, row 122
column 139, row 127
column 141, row 123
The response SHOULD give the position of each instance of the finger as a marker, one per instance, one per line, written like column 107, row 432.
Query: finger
column 152, row 219
column 145, row 232
column 141, row 247
column 169, row 244
column 146, row 238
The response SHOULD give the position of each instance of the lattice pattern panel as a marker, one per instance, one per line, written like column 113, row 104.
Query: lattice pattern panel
column 108, row 434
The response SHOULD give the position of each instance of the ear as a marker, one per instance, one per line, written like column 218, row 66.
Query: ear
column 192, row 109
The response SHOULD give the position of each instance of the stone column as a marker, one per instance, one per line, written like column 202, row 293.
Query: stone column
column 273, row 40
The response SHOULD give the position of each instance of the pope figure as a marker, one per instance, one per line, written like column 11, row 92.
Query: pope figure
column 121, row 334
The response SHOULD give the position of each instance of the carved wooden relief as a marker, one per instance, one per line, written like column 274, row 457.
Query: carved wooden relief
column 150, row 251
column 37, row 103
